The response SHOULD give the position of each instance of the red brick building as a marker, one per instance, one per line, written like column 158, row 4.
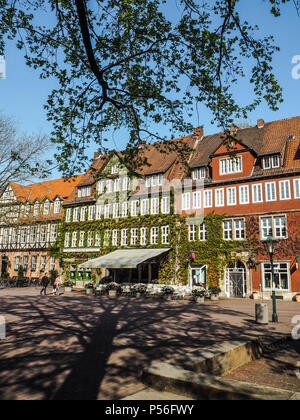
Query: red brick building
column 258, row 191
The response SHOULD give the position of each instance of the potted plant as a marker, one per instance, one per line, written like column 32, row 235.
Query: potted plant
column 199, row 294
column 112, row 289
column 68, row 284
column 297, row 297
column 139, row 289
column 214, row 292
column 89, row 288
column 168, row 291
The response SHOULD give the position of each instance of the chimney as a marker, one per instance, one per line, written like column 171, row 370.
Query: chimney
column 233, row 129
column 198, row 133
column 96, row 155
column 260, row 123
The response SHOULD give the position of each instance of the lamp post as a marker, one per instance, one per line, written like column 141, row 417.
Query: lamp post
column 270, row 244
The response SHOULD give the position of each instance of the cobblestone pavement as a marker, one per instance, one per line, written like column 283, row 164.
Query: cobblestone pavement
column 80, row 347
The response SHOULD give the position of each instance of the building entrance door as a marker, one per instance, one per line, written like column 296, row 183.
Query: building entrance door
column 236, row 280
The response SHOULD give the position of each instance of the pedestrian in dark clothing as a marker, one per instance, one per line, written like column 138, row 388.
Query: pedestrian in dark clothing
column 45, row 282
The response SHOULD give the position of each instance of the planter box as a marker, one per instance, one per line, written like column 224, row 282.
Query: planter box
column 138, row 295
column 112, row 293
column 199, row 299
column 214, row 297
column 89, row 291
column 68, row 289
column 168, row 297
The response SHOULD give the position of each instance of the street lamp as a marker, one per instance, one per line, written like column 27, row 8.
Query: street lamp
column 270, row 244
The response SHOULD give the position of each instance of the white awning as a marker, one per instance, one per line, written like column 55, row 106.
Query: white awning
column 124, row 258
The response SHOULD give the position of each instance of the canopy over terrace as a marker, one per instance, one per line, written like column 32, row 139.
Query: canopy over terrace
column 127, row 259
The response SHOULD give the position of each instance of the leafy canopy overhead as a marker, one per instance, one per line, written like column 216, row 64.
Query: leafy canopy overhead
column 139, row 65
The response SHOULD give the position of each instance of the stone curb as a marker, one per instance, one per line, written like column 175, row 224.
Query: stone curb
column 165, row 377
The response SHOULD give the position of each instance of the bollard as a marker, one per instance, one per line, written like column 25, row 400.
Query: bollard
column 261, row 313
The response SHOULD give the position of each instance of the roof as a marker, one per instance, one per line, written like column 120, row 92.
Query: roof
column 272, row 138
column 45, row 190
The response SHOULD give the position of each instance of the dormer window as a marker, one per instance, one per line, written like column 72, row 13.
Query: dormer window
column 46, row 208
column 231, row 165
column 56, row 206
column 36, row 209
column 199, row 173
column 271, row 162
column 154, row 180
column 84, row 192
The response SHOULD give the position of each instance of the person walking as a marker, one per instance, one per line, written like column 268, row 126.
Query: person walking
column 45, row 282
column 57, row 285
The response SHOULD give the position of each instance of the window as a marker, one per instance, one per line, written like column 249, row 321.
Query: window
column 14, row 236
column 17, row 263
column 231, row 196
column 154, row 180
column 27, row 210
column 197, row 200
column 53, row 233
column 155, row 205
column 43, row 234
column 208, row 198
column 36, row 209
column 68, row 215
column 143, row 239
column 267, row 162
column 134, row 236
column 76, row 214
column 32, row 235
column 124, row 237
column 74, row 239
column 106, row 211
column 46, row 208
column 5, row 236
column 192, row 232
column 165, row 231
column 165, row 205
column 117, row 184
column 285, row 190
column 115, row 237
column 125, row 209
column 56, row 207
column 98, row 239
column 33, row 263
column 52, row 263
column 275, row 161
column 100, row 187
column 81, row 239
column 43, row 263
column 257, row 196
column 106, row 238
column 244, row 194
column 116, row 212
column 109, row 186
column 271, row 191
column 84, row 191
column 202, row 232
column 99, row 211
column 186, row 201
column 83, row 214
column 199, row 173
column 154, row 235
column 67, row 239
column 297, row 188
column 115, row 169
column 274, row 226
column 134, row 208
column 281, row 276
column 234, row 230
column 231, row 165
column 23, row 236
column 126, row 183
column 219, row 197
column 91, row 213
column 144, row 207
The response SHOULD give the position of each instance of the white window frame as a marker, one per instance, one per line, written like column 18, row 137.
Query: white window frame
column 231, row 194
column 285, row 190
column 192, row 233
column 143, row 238
column 267, row 162
column 202, row 232
column 134, row 208
column 115, row 239
column 219, row 197
column 90, row 239
column 296, row 183
column 145, row 207
column 186, row 201
column 272, row 227
column 124, row 237
column 257, row 190
column 154, row 205
column 125, row 209
column 68, row 215
column 277, row 272
column 208, row 199
column 270, row 191
column 165, row 234
column 91, row 214
column 154, row 235
column 67, row 240
column 57, row 206
column 116, row 210
column 81, row 239
column 99, row 211
column 244, row 194
column 197, row 200
column 165, row 205
column 76, row 214
column 83, row 214
column 134, row 236
column 74, row 240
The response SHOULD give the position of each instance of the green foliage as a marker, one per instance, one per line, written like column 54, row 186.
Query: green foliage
column 134, row 65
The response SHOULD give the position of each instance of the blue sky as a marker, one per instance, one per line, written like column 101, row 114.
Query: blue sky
column 23, row 94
